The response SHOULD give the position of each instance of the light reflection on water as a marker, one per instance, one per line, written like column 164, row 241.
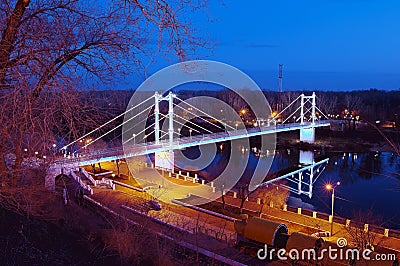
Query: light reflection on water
column 369, row 181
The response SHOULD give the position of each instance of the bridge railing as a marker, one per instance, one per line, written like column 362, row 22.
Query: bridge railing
column 142, row 148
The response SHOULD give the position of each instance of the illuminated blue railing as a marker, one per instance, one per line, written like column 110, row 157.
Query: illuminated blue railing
column 185, row 142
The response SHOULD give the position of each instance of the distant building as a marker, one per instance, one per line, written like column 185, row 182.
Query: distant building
column 337, row 125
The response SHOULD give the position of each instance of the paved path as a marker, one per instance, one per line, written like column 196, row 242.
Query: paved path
column 306, row 224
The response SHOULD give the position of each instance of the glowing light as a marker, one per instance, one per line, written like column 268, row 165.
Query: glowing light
column 328, row 186
column 243, row 111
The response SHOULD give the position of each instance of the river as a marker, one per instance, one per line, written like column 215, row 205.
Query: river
column 369, row 182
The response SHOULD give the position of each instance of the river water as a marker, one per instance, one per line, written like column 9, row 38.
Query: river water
column 369, row 182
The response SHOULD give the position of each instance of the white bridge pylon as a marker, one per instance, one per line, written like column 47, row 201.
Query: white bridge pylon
column 158, row 98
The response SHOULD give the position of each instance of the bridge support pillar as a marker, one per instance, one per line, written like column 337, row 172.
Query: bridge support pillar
column 307, row 135
column 53, row 171
column 50, row 178
column 165, row 160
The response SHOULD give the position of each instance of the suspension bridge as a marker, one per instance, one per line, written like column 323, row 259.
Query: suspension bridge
column 150, row 131
column 138, row 144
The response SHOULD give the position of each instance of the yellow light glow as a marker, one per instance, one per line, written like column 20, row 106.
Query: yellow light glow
column 243, row 111
column 328, row 186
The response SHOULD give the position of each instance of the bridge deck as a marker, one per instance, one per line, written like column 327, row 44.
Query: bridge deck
column 186, row 142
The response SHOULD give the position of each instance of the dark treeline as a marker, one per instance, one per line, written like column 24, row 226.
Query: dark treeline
column 370, row 105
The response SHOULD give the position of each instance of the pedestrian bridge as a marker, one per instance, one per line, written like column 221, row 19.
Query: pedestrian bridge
column 139, row 144
column 99, row 156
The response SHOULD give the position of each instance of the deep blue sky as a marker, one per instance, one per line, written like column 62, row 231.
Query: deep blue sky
column 333, row 44
column 325, row 44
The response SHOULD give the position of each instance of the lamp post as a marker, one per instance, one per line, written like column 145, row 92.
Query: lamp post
column 329, row 187
column 134, row 137
column 190, row 133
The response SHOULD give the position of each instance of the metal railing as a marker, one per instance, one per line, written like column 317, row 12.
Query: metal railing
column 184, row 142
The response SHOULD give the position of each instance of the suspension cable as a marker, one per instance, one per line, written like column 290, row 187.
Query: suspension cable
column 142, row 131
column 111, row 130
column 184, row 124
column 209, row 131
column 87, row 134
column 281, row 112
column 321, row 112
column 201, row 117
column 203, row 112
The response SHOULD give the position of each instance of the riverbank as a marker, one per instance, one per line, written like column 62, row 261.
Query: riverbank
column 360, row 140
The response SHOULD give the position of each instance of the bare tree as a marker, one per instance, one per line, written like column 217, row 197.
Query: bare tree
column 49, row 47
column 243, row 195
column 271, row 194
column 327, row 103
column 353, row 106
column 360, row 237
column 286, row 98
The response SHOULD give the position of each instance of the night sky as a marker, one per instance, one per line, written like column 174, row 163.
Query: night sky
column 323, row 45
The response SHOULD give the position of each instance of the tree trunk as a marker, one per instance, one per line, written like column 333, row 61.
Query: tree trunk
column 241, row 204
column 261, row 208
column 18, row 157
column 9, row 36
column 3, row 166
column 117, row 162
column 223, row 200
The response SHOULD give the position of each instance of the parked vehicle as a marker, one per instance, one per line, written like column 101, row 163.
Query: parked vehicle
column 321, row 234
column 155, row 205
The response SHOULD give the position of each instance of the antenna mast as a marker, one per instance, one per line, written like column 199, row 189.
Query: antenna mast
column 280, row 104
column 280, row 78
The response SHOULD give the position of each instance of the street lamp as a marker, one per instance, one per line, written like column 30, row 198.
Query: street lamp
column 190, row 133
column 236, row 125
column 134, row 136
column 330, row 187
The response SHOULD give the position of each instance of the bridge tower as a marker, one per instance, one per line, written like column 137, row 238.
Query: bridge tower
column 157, row 99
column 307, row 134
column 164, row 159
column 171, row 117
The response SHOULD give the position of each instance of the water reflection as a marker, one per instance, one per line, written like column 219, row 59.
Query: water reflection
column 369, row 181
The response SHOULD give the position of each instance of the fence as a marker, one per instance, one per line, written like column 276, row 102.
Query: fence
column 85, row 187
column 105, row 182
column 343, row 221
